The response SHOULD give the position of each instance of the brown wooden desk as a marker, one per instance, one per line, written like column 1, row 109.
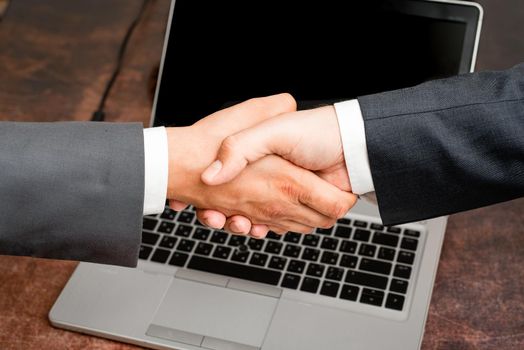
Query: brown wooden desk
column 55, row 58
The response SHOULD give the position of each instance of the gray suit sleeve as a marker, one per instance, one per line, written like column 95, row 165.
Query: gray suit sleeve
column 447, row 145
column 72, row 191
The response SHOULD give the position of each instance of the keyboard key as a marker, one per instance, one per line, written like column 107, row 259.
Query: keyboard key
column 310, row 240
column 168, row 214
column 292, row 237
column 343, row 232
column 329, row 243
column 315, row 270
column 372, row 297
column 310, row 285
column 395, row 301
column 149, row 238
column 362, row 235
column 359, row 223
column 258, row 259
column 349, row 292
column 273, row 247
column 376, row 266
column 240, row 256
column 236, row 241
column 186, row 217
column 329, row 258
column 334, row 273
column 296, row 266
column 166, row 227
column 310, row 254
column 203, row 248
column 219, row 237
column 325, row 231
column 178, row 259
column 197, row 222
column 349, row 261
column 330, row 289
column 274, row 236
column 402, row 271
column 367, row 250
column 160, row 255
column 385, row 239
column 398, row 286
column 344, row 221
column 222, row 252
column 185, row 245
column 376, row 227
column 255, row 244
column 406, row 257
column 366, row 279
column 292, row 251
column 230, row 269
column 201, row 233
column 393, row 229
column 348, row 247
column 145, row 251
column 411, row 233
column 277, row 263
column 183, row 230
column 168, row 242
column 149, row 224
column 409, row 243
column 290, row 281
column 386, row 254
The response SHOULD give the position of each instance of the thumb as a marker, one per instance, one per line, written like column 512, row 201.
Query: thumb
column 236, row 152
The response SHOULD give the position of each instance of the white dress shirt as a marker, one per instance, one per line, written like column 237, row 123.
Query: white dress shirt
column 351, row 124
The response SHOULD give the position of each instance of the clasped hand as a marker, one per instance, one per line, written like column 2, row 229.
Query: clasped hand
column 244, row 168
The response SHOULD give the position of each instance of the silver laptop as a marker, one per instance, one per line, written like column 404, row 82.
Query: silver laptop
column 358, row 285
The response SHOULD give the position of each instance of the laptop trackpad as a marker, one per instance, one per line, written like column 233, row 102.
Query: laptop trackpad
column 212, row 316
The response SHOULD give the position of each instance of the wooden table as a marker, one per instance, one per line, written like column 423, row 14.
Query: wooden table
column 55, row 58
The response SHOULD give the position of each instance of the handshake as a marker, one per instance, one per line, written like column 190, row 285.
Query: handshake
column 259, row 166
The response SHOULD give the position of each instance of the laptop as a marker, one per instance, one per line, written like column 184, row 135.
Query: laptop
column 358, row 285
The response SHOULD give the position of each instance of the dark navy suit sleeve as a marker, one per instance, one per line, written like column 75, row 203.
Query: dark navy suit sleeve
column 447, row 145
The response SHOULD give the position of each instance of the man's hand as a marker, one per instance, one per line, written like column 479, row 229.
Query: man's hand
column 270, row 191
column 310, row 139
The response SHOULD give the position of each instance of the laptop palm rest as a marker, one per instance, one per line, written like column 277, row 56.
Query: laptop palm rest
column 194, row 313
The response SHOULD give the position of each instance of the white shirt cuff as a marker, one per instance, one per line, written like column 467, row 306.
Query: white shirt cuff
column 353, row 135
column 156, row 170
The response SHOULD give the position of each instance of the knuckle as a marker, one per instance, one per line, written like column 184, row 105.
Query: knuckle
column 230, row 144
column 291, row 191
column 289, row 101
column 338, row 210
column 273, row 211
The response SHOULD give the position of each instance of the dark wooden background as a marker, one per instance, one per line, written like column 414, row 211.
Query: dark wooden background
column 55, row 58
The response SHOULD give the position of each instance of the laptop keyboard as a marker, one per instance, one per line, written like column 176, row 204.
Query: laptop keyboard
column 356, row 260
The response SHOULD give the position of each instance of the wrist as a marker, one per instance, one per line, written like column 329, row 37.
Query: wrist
column 189, row 154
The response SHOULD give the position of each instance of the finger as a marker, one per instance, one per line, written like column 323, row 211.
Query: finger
column 238, row 225
column 211, row 218
column 325, row 198
column 251, row 112
column 258, row 231
column 177, row 205
column 244, row 147
column 292, row 226
column 309, row 217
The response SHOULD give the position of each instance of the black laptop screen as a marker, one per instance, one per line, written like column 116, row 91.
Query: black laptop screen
column 223, row 52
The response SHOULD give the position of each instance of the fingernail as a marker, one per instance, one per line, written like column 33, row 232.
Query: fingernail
column 213, row 169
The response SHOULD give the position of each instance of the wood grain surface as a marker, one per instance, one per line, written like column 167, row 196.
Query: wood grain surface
column 55, row 58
